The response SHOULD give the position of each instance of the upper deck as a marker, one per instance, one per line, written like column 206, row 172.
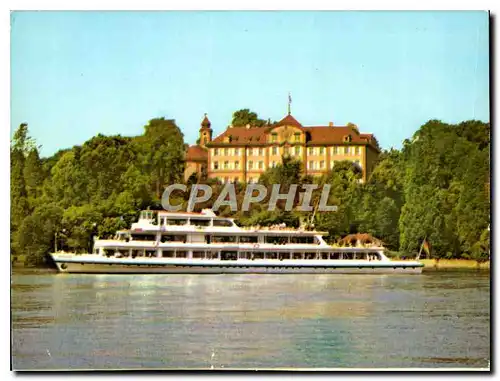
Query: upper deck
column 207, row 221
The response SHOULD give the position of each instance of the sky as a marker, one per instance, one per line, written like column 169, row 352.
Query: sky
column 77, row 74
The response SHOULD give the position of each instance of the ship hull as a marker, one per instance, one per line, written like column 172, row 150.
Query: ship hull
column 116, row 267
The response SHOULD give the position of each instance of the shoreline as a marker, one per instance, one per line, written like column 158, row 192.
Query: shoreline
column 429, row 264
column 455, row 264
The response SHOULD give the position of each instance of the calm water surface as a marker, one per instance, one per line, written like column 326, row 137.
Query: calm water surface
column 64, row 321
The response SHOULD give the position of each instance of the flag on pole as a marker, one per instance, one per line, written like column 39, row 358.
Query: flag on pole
column 426, row 247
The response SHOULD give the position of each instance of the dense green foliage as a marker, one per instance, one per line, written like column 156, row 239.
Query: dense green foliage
column 436, row 188
column 89, row 190
column 243, row 117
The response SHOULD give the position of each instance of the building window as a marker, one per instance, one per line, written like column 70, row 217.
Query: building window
column 216, row 165
column 261, row 164
column 250, row 152
column 236, row 151
column 322, row 164
column 335, row 150
column 346, row 150
column 311, row 150
column 250, row 164
column 321, row 150
column 275, row 150
column 216, row 152
column 311, row 164
column 274, row 137
column 285, row 150
column 357, row 150
column 236, row 164
column 226, row 151
column 273, row 164
column 261, row 151
column 297, row 150
column 226, row 165
column 296, row 137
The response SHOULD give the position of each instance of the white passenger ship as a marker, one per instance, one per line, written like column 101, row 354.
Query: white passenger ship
column 167, row 242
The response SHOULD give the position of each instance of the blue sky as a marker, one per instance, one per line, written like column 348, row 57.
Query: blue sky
column 77, row 74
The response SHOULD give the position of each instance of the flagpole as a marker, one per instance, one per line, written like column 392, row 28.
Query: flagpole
column 421, row 247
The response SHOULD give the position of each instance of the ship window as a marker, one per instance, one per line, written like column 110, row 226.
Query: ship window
column 229, row 255
column 258, row 255
column 212, row 255
column 374, row 256
column 244, row 255
column 181, row 254
column 334, row 255
column 143, row 237
column 298, row 256
column 150, row 253
column 271, row 255
column 347, row 255
column 123, row 236
column 173, row 238
column 199, row 254
column 249, row 239
column 200, row 222
column 109, row 252
column 167, row 253
column 223, row 238
column 324, row 255
column 277, row 240
column 310, row 256
column 302, row 239
column 284, row 256
column 137, row 253
column 222, row 223
column 360, row 256
column 175, row 221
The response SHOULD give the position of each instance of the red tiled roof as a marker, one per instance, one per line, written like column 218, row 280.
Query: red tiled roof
column 333, row 135
column 256, row 136
column 196, row 153
column 242, row 135
column 289, row 121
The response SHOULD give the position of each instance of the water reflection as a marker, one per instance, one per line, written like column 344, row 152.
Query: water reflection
column 129, row 321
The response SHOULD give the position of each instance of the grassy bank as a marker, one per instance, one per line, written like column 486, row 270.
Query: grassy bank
column 455, row 264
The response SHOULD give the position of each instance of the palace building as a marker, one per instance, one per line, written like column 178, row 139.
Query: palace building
column 242, row 154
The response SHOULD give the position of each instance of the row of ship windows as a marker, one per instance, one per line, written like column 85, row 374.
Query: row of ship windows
column 297, row 150
column 234, row 255
column 269, row 239
column 232, row 165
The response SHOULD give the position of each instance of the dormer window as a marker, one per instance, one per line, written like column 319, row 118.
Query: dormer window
column 347, row 138
column 296, row 137
column 274, row 137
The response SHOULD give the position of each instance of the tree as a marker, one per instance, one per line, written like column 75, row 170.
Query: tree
column 162, row 153
column 244, row 116
column 33, row 175
column 446, row 197
column 36, row 234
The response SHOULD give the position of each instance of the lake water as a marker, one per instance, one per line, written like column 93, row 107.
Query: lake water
column 439, row 319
